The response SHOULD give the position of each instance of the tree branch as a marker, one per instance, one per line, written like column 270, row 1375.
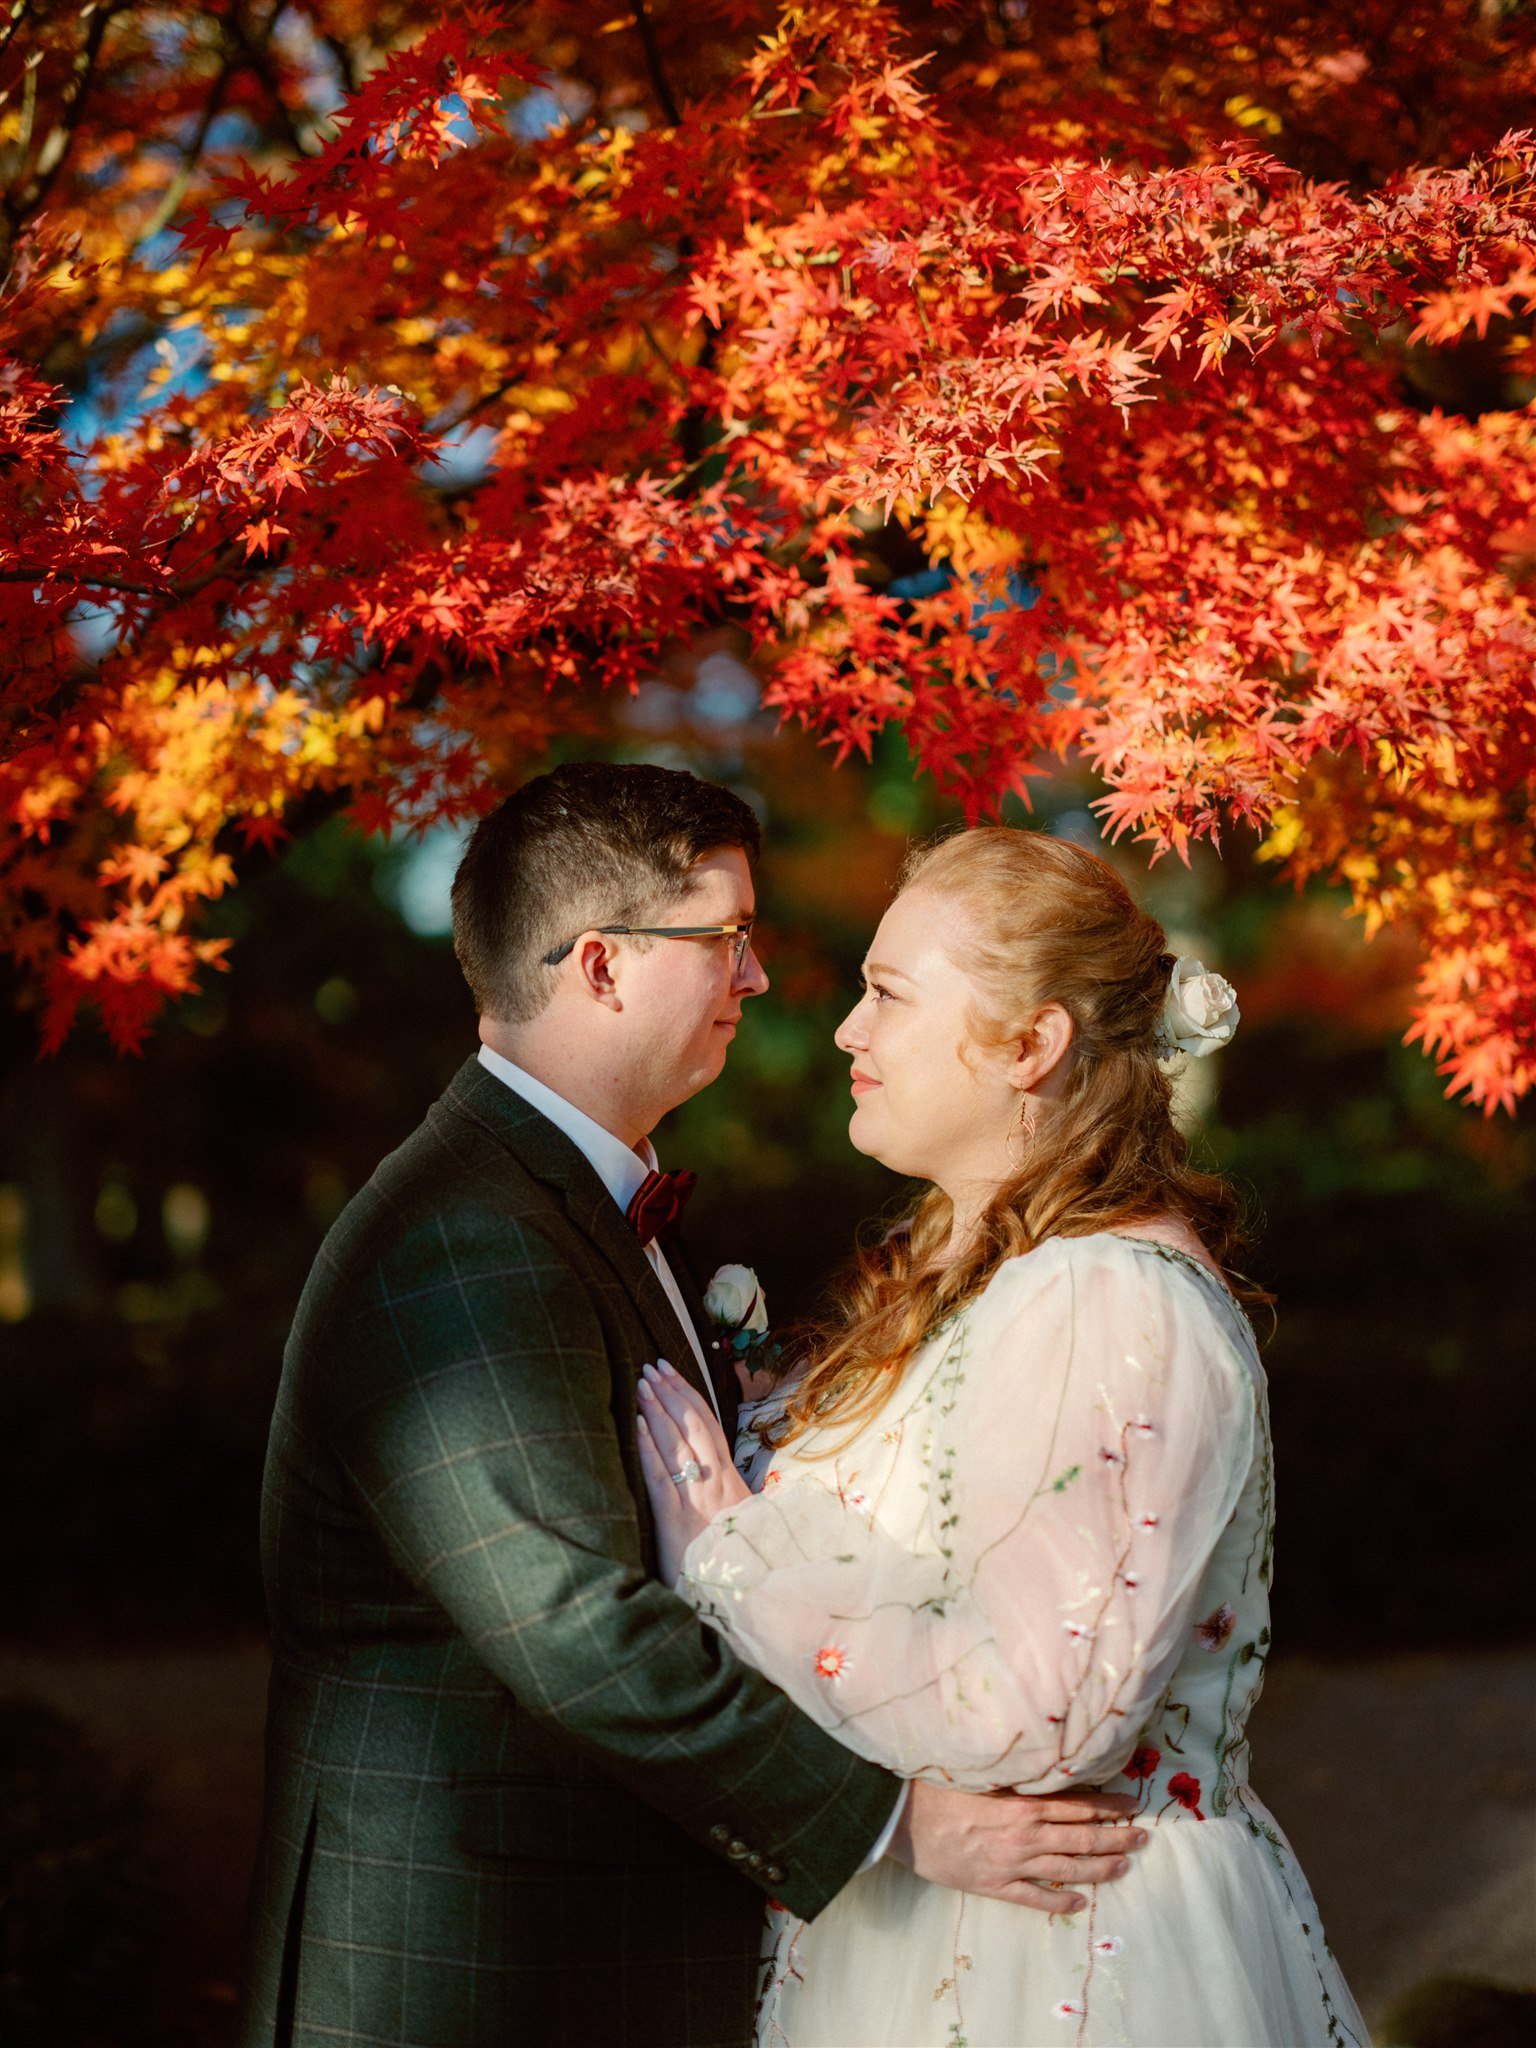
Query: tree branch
column 177, row 590
column 17, row 15
column 176, row 191
column 346, row 63
column 446, row 422
column 54, row 153
column 42, row 577
column 653, row 64
column 258, row 54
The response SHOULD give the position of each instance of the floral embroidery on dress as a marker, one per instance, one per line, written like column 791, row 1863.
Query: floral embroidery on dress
column 1186, row 1790
column 1212, row 1633
column 1003, row 1577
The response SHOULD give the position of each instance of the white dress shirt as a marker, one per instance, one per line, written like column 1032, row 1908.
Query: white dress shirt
column 621, row 1172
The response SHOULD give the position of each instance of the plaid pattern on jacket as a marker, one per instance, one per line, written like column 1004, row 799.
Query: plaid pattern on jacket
column 516, row 1792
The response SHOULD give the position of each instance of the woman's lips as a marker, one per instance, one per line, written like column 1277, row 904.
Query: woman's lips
column 861, row 1083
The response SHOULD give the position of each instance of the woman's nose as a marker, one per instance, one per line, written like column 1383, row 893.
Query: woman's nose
column 850, row 1035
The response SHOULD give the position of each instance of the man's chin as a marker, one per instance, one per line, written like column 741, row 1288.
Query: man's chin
column 707, row 1068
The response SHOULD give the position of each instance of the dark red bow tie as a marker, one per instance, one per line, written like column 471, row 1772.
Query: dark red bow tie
column 658, row 1202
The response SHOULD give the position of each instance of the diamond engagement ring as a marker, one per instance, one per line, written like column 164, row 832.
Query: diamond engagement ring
column 689, row 1469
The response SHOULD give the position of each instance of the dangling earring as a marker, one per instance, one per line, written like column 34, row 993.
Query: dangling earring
column 1022, row 1130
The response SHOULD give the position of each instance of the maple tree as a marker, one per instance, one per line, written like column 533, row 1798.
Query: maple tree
column 1148, row 385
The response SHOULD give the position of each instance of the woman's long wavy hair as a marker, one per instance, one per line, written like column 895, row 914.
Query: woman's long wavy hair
column 1037, row 921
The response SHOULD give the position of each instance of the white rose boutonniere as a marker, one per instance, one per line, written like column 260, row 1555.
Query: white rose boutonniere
column 735, row 1300
column 1200, row 1013
column 735, row 1303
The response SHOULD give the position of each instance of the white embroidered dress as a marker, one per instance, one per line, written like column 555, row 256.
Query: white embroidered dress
column 1044, row 1561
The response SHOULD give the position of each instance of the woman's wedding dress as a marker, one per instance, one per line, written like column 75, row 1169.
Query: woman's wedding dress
column 1044, row 1561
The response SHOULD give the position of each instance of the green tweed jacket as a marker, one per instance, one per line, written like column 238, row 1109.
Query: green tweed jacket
column 516, row 1792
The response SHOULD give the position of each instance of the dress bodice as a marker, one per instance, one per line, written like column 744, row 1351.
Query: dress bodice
column 1045, row 1560
column 1056, row 1524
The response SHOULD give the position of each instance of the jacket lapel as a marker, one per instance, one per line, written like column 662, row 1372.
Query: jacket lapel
column 721, row 1370
column 552, row 1159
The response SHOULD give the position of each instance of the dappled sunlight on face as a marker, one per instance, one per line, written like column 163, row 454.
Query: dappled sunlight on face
column 930, row 1099
column 684, row 996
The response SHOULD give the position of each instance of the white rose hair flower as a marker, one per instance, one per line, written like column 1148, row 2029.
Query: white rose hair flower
column 734, row 1298
column 1200, row 1013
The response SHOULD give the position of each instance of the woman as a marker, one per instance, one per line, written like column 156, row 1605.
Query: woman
column 1013, row 1528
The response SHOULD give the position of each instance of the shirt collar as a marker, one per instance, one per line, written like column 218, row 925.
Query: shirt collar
column 620, row 1170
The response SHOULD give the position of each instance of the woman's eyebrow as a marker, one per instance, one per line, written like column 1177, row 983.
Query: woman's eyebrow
column 873, row 967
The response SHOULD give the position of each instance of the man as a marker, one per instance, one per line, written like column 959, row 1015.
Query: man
column 516, row 1791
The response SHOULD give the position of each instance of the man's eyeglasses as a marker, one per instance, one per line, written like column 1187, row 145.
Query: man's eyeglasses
column 740, row 931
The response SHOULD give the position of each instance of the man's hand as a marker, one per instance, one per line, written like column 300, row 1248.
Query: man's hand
column 1008, row 1845
column 757, row 1386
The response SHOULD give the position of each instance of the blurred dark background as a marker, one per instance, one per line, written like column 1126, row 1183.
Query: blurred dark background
column 158, row 1216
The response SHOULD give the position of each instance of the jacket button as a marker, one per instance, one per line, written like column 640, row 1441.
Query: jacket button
column 754, row 1862
column 773, row 1874
column 720, row 1833
column 736, row 1850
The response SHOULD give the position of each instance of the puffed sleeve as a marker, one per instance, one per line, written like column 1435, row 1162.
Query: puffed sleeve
column 1087, row 1430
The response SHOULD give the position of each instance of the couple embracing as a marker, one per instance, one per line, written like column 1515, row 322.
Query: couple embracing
column 919, row 1719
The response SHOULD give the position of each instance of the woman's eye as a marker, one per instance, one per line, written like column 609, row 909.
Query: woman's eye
column 874, row 989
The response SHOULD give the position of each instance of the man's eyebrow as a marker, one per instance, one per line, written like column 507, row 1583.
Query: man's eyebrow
column 872, row 967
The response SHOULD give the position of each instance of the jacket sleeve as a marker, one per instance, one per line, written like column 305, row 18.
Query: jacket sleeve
column 481, row 1437
column 1086, row 1436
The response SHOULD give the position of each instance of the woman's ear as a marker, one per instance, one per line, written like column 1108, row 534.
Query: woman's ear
column 1045, row 1052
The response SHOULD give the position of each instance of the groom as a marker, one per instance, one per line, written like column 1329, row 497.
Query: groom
column 516, row 1791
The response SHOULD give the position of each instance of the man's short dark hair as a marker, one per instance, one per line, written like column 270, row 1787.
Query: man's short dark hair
column 591, row 843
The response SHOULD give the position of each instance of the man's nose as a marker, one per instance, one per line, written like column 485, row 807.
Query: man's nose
column 752, row 981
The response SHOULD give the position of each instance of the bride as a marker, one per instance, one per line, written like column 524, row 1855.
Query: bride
column 1010, row 1526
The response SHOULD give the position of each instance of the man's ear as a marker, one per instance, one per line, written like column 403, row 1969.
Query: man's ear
column 1045, row 1051
column 596, row 962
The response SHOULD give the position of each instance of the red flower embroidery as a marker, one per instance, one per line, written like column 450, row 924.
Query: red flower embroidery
column 830, row 1662
column 1212, row 1633
column 1144, row 1761
column 1186, row 1790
